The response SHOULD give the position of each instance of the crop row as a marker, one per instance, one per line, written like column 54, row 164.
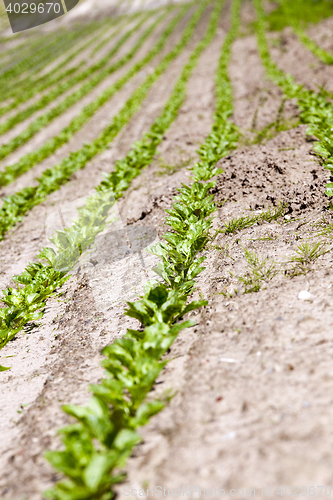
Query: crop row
column 16, row 205
column 53, row 47
column 70, row 100
column 105, row 432
column 32, row 79
column 19, row 49
column 316, row 110
column 50, row 49
column 39, row 280
column 308, row 42
column 20, row 52
column 60, row 89
column 44, row 80
column 32, row 86
column 120, row 26
column 8, row 52
column 31, row 159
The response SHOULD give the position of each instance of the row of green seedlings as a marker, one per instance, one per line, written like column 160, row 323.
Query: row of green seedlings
column 39, row 281
column 316, row 110
column 54, row 46
column 18, row 204
column 311, row 45
column 29, row 160
column 17, row 52
column 67, row 85
column 32, row 86
column 99, row 443
column 60, row 42
column 43, row 120
column 50, row 78
column 308, row 42
column 41, row 80
column 44, row 78
column 124, row 20
column 21, row 53
column 5, row 52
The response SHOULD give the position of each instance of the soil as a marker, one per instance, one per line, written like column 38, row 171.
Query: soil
column 252, row 381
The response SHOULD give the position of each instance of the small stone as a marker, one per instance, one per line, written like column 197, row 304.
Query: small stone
column 304, row 295
column 287, row 217
column 229, row 436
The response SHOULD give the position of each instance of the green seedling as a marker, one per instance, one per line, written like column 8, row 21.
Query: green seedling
column 306, row 254
column 223, row 249
column 226, row 294
column 262, row 101
column 325, row 227
column 172, row 169
column 271, row 130
column 220, row 204
column 259, row 271
column 240, row 223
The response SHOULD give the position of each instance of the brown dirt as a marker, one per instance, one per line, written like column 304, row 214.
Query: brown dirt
column 253, row 379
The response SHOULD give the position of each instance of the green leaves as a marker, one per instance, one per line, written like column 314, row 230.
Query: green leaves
column 160, row 305
column 293, row 10
column 225, row 134
column 32, row 86
column 24, row 304
column 105, row 434
column 42, row 121
column 97, row 445
column 132, row 363
column 316, row 110
column 15, row 206
column 40, row 281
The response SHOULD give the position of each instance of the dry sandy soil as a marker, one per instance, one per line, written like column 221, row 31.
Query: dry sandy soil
column 252, row 381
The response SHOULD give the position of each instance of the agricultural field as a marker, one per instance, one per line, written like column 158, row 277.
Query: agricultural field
column 166, row 234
